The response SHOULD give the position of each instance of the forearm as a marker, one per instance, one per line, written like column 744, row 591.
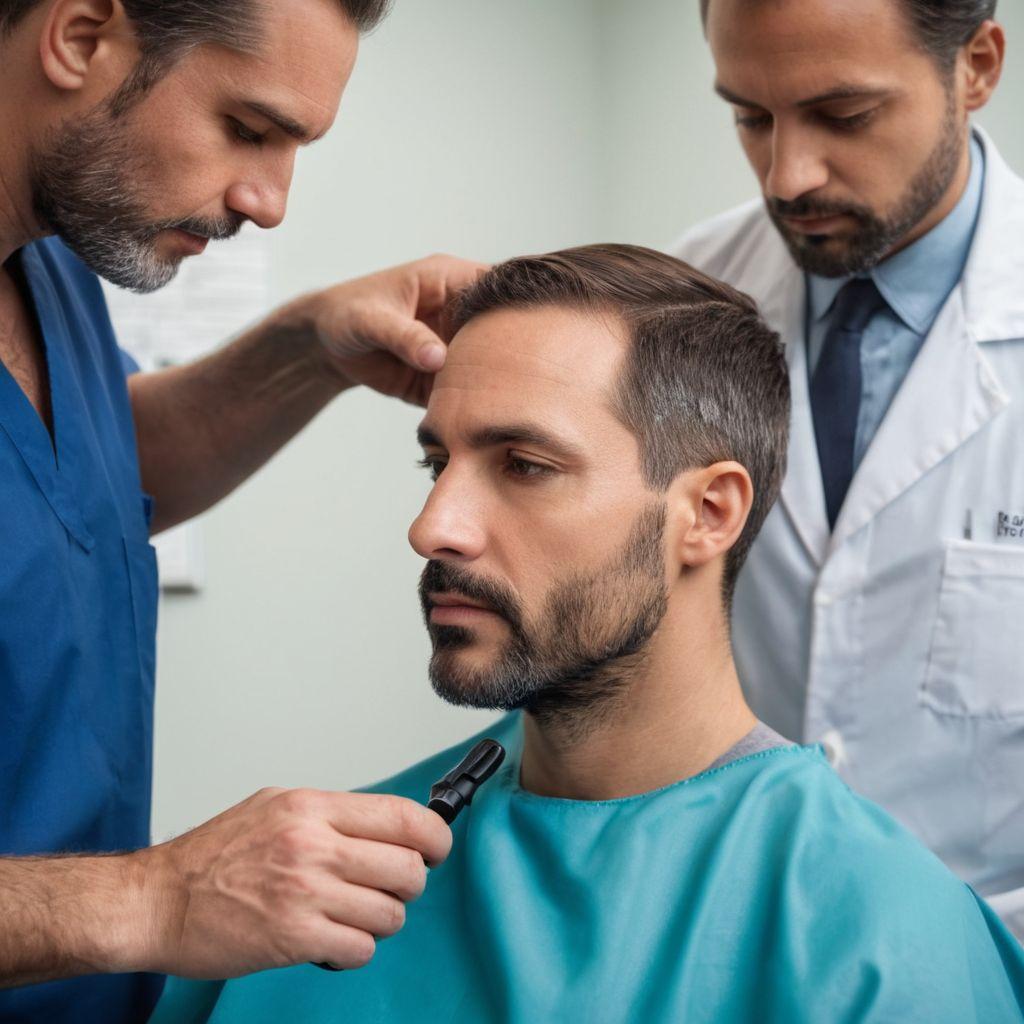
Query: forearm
column 204, row 428
column 66, row 916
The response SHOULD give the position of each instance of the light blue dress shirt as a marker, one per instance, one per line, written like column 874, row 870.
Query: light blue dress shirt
column 915, row 284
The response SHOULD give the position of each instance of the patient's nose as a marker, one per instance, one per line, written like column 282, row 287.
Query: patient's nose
column 450, row 526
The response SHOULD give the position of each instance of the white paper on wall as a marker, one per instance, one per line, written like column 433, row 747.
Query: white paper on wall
column 180, row 553
column 213, row 297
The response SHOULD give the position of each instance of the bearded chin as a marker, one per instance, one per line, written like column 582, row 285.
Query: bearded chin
column 82, row 190
column 579, row 666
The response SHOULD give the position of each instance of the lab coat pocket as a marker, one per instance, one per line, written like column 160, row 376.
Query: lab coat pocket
column 976, row 662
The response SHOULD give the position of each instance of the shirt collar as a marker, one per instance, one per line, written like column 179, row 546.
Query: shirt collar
column 918, row 280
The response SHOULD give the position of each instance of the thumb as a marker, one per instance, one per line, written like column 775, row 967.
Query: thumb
column 404, row 337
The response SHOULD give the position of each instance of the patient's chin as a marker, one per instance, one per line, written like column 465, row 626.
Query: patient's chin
column 471, row 662
column 471, row 676
column 451, row 638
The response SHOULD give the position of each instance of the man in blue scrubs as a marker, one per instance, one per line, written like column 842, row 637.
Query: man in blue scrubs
column 607, row 437
column 133, row 133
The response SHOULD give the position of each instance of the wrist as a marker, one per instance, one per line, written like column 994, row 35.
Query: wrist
column 96, row 920
column 300, row 326
column 125, row 918
column 145, row 934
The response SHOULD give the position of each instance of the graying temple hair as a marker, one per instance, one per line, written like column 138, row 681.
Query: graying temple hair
column 704, row 380
column 169, row 29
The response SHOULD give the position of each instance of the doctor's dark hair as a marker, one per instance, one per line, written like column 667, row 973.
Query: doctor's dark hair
column 169, row 29
column 704, row 379
column 942, row 26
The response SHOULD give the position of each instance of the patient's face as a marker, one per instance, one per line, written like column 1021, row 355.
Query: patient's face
column 546, row 573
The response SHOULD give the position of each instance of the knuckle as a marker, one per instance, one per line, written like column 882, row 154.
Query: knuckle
column 300, row 802
column 359, row 318
column 394, row 809
column 414, row 875
column 297, row 944
column 288, row 893
column 343, row 858
column 393, row 918
column 410, row 816
column 291, row 845
column 267, row 793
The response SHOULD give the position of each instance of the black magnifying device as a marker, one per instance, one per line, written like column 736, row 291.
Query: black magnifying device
column 454, row 791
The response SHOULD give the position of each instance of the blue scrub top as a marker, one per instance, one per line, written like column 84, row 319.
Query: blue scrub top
column 78, row 598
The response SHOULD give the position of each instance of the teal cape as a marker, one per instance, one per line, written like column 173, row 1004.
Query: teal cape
column 761, row 892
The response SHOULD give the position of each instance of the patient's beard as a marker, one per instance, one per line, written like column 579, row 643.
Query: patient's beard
column 575, row 667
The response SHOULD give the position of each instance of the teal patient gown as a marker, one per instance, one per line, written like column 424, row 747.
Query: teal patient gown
column 761, row 892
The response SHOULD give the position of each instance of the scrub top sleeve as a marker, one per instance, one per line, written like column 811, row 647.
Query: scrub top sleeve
column 129, row 363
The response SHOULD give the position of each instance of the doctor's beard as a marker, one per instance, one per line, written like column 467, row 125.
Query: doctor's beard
column 577, row 662
column 86, row 188
column 875, row 236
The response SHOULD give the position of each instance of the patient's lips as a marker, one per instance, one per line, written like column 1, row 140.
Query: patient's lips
column 454, row 609
column 826, row 225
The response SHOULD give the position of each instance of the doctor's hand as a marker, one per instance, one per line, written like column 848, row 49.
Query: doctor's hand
column 286, row 877
column 385, row 330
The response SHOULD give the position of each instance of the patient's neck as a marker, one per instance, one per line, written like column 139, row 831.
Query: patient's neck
column 680, row 709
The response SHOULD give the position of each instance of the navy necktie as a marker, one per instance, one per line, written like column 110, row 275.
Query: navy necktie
column 836, row 389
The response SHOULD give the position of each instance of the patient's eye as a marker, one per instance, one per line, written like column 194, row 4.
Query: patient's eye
column 525, row 469
column 435, row 463
column 753, row 122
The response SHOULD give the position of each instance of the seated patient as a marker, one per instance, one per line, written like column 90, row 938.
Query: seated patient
column 606, row 439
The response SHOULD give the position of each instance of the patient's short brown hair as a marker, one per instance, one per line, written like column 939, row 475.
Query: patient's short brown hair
column 704, row 381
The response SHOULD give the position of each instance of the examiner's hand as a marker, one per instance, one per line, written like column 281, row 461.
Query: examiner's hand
column 285, row 877
column 385, row 330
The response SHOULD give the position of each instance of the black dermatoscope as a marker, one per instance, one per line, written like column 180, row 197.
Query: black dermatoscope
column 456, row 789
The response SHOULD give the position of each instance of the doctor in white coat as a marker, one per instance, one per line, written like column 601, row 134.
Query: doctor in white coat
column 881, row 610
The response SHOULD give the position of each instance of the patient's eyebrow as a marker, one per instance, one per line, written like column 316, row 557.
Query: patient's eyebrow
column 731, row 97
column 427, row 438
column 524, row 433
column 839, row 92
column 507, row 433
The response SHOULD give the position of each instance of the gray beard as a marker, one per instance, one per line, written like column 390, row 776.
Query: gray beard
column 876, row 236
column 85, row 189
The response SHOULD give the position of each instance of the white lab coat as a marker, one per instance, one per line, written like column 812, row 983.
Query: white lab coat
column 898, row 640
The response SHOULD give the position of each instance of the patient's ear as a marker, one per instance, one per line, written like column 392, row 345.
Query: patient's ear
column 713, row 504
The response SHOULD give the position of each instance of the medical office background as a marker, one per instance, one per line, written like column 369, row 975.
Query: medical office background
column 292, row 651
